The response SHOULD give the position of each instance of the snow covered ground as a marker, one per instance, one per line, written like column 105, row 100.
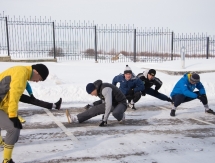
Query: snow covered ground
column 148, row 135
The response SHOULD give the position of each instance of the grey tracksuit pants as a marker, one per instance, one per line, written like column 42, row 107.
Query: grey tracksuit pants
column 13, row 133
column 117, row 112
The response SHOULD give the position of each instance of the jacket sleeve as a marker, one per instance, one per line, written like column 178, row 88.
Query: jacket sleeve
column 201, row 88
column 17, row 87
column 115, row 80
column 185, row 90
column 139, row 85
column 28, row 88
column 158, row 83
column 107, row 93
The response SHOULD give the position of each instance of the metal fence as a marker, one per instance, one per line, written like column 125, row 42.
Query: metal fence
column 37, row 38
column 4, row 41
column 195, row 46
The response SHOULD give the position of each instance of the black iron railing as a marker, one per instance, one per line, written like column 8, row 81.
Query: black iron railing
column 29, row 38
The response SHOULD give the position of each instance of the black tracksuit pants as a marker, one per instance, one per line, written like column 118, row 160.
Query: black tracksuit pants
column 135, row 97
column 180, row 98
column 27, row 99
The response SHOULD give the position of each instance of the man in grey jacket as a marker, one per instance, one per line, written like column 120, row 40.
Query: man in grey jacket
column 111, row 100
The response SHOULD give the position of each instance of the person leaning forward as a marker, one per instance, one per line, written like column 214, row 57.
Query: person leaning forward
column 130, row 85
column 149, row 79
column 183, row 91
column 111, row 100
column 12, row 85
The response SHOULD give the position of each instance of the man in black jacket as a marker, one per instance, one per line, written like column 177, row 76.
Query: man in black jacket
column 149, row 79
column 111, row 100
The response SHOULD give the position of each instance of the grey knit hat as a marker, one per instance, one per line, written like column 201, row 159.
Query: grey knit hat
column 195, row 78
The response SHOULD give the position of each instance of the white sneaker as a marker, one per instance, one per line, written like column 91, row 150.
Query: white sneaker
column 71, row 118
column 131, row 106
column 74, row 118
column 123, row 119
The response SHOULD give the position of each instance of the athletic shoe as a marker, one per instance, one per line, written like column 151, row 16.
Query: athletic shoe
column 132, row 106
column 58, row 104
column 8, row 161
column 71, row 118
column 172, row 113
column 209, row 111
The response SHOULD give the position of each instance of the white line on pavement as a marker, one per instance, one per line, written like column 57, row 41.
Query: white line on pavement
column 62, row 127
column 208, row 123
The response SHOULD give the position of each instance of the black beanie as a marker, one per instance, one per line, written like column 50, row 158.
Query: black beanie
column 152, row 72
column 90, row 88
column 42, row 70
column 195, row 78
column 127, row 70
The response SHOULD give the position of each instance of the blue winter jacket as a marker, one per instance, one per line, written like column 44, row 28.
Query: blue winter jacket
column 183, row 86
column 28, row 88
column 134, row 83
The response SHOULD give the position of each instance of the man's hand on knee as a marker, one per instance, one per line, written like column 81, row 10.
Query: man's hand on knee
column 203, row 98
column 16, row 122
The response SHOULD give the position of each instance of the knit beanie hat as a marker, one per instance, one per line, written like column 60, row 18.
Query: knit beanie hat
column 42, row 70
column 152, row 72
column 90, row 88
column 195, row 78
column 127, row 70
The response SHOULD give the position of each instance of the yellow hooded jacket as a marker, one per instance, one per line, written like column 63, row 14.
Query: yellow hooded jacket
column 12, row 85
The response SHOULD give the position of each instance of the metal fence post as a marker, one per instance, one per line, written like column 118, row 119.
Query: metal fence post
column 207, row 50
column 8, row 47
column 54, row 40
column 95, row 44
column 135, row 45
column 172, row 45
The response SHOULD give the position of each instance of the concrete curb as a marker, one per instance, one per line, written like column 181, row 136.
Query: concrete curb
column 182, row 72
column 8, row 59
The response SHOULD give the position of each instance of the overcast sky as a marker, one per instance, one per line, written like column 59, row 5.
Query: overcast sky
column 181, row 16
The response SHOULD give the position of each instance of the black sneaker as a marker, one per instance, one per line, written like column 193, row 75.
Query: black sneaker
column 210, row 111
column 58, row 104
column 172, row 113
column 9, row 161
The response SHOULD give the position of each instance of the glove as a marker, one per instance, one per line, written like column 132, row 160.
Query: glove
column 156, row 92
column 16, row 122
column 32, row 97
column 143, row 92
column 104, row 123
column 131, row 92
column 88, row 106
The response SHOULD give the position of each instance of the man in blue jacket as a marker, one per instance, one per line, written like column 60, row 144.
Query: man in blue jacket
column 183, row 92
column 130, row 86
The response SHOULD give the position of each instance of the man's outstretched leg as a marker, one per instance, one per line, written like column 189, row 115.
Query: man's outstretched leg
column 158, row 95
column 32, row 100
column 90, row 113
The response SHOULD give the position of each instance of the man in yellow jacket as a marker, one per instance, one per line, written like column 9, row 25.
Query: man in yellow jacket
column 12, row 85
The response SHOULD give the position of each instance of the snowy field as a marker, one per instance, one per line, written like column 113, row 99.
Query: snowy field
column 149, row 134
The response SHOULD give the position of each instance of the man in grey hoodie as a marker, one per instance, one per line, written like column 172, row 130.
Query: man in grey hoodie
column 111, row 100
